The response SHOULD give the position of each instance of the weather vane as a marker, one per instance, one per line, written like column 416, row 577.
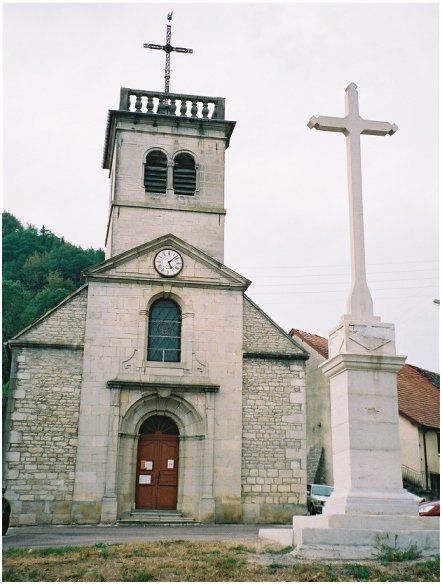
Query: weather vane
column 168, row 49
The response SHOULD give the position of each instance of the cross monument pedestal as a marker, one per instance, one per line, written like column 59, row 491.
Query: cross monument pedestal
column 369, row 505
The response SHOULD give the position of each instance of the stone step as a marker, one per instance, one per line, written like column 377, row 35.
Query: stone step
column 157, row 518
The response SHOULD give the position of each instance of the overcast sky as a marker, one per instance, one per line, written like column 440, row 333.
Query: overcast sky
column 286, row 186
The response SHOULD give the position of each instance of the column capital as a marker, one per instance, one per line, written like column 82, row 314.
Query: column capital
column 362, row 362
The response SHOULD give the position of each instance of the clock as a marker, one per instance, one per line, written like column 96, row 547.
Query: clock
column 168, row 262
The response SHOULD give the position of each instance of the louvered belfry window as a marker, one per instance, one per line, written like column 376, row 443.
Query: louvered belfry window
column 164, row 336
column 155, row 172
column 184, row 175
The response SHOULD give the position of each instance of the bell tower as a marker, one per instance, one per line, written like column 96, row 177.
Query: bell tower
column 165, row 153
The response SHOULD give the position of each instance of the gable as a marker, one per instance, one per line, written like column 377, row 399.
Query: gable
column 137, row 264
column 63, row 324
column 263, row 335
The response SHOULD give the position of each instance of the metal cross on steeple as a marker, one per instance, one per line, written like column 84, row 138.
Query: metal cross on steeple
column 168, row 49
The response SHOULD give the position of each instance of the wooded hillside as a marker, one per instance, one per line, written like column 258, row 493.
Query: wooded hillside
column 39, row 270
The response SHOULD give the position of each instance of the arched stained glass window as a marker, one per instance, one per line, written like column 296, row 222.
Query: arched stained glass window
column 184, row 174
column 155, row 172
column 164, row 337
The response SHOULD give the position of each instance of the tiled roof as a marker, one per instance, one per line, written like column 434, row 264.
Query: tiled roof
column 419, row 399
column 418, row 393
column 315, row 341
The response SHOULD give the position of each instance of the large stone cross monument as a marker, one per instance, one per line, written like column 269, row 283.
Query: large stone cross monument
column 362, row 363
column 368, row 501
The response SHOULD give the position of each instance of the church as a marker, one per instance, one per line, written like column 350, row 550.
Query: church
column 159, row 388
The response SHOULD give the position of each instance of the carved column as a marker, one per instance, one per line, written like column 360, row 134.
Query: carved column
column 109, row 502
column 207, row 504
column 169, row 184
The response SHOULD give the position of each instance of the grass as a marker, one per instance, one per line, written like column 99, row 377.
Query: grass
column 387, row 550
column 185, row 561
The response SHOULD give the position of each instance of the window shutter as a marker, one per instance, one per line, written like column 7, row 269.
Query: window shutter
column 184, row 175
column 155, row 172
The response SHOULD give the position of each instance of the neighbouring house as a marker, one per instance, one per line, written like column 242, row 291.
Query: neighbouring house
column 419, row 420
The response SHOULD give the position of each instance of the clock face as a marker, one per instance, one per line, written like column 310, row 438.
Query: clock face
column 168, row 262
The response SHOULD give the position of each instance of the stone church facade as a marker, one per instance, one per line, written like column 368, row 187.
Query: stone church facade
column 159, row 385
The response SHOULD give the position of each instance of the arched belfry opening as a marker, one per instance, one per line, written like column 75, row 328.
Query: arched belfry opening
column 155, row 172
column 184, row 174
column 157, row 464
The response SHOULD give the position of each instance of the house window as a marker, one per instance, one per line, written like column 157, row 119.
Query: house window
column 164, row 336
column 155, row 172
column 184, row 175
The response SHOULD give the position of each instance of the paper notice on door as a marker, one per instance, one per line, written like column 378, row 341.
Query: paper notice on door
column 170, row 463
column 145, row 480
column 148, row 465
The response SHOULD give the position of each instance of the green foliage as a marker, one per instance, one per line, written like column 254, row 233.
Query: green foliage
column 142, row 576
column 39, row 552
column 39, row 270
column 359, row 572
column 103, row 550
column 279, row 551
column 388, row 552
column 244, row 549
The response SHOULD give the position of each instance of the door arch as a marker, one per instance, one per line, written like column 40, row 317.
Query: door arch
column 157, row 464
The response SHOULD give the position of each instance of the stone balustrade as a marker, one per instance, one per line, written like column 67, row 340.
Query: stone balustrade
column 172, row 104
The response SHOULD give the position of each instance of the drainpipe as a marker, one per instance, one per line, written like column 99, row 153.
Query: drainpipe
column 425, row 457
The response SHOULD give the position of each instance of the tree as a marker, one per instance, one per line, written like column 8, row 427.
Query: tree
column 39, row 270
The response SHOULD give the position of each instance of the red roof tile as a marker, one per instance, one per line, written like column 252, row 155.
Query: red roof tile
column 315, row 341
column 418, row 397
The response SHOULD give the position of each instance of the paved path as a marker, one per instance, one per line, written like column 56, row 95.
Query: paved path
column 74, row 535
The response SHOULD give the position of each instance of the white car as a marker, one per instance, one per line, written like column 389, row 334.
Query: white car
column 317, row 495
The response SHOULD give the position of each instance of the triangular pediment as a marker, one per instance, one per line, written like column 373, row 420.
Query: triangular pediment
column 137, row 264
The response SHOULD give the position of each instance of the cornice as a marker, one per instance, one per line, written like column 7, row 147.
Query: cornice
column 276, row 356
column 155, row 386
column 136, row 279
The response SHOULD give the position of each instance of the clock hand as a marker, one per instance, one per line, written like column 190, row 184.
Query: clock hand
column 172, row 260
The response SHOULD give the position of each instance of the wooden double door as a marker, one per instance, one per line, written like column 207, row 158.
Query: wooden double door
column 157, row 471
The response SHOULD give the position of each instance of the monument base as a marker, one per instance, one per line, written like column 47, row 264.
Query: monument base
column 357, row 537
column 380, row 501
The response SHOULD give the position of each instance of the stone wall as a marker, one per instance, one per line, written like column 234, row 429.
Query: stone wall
column 41, row 449
column 273, row 457
column 62, row 325
column 273, row 472
column 261, row 334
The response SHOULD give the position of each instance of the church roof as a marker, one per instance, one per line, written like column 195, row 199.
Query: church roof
column 418, row 389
